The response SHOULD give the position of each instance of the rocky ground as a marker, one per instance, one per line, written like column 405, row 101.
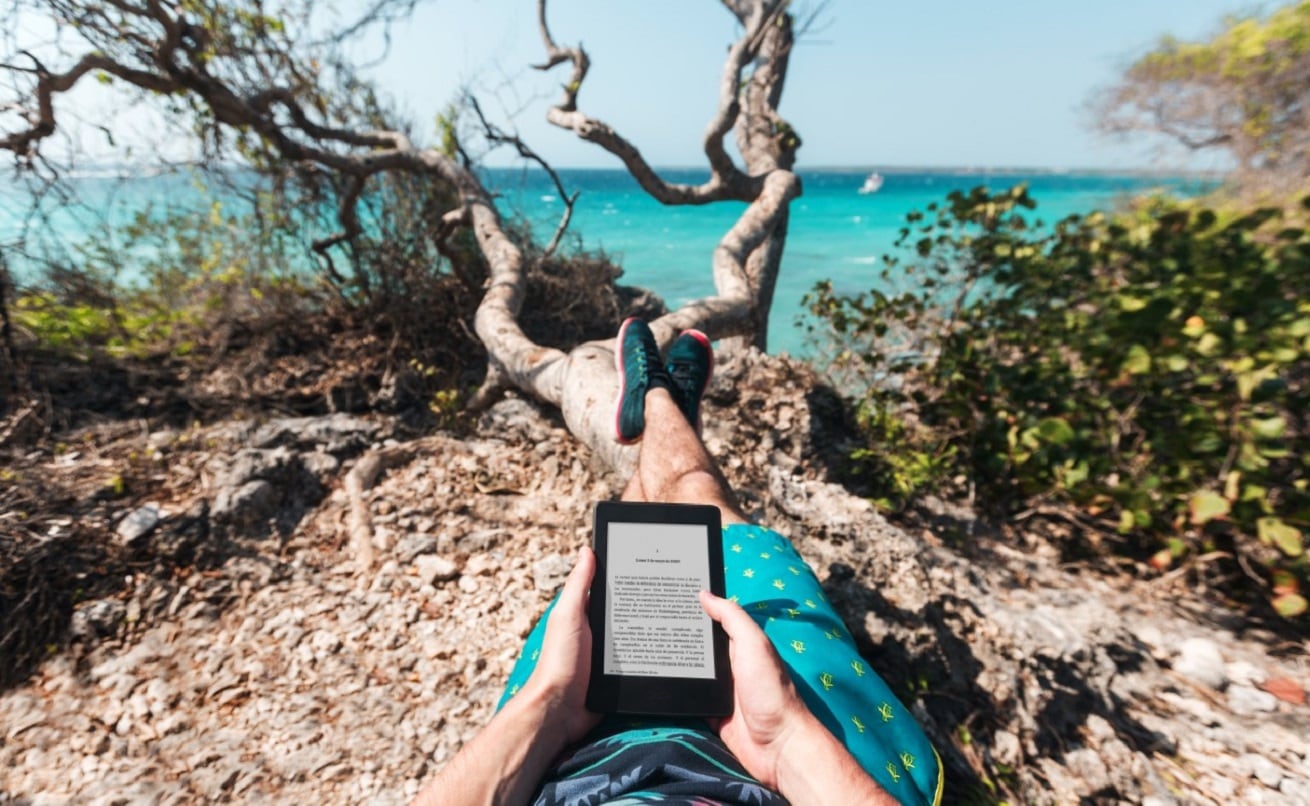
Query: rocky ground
column 324, row 610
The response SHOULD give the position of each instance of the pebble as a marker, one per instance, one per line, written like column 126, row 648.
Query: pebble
column 549, row 572
column 1087, row 764
column 1245, row 701
column 432, row 569
column 1263, row 770
column 410, row 546
column 1297, row 790
column 1245, row 674
column 139, row 523
column 1006, row 748
column 1199, row 659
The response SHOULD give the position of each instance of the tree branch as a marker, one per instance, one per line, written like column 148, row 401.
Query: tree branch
column 497, row 136
column 726, row 181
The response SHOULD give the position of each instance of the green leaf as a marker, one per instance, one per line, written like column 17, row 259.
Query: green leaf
column 1287, row 538
column 1289, row 605
column 1126, row 521
column 1138, row 360
column 1269, row 427
column 1207, row 344
column 1130, row 304
column 1205, row 506
column 1055, row 430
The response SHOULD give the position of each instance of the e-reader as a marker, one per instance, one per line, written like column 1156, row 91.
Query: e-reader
column 653, row 650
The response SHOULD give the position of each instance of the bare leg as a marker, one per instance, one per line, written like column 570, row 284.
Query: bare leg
column 633, row 490
column 673, row 466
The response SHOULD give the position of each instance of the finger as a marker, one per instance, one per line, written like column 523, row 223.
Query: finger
column 735, row 622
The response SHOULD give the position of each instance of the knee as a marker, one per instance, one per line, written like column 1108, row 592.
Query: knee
column 697, row 487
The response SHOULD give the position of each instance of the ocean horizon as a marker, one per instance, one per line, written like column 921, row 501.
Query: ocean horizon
column 835, row 232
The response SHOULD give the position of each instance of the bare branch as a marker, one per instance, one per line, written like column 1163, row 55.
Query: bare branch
column 726, row 182
column 558, row 55
column 497, row 136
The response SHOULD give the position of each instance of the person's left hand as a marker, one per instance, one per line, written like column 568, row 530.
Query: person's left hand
column 564, row 668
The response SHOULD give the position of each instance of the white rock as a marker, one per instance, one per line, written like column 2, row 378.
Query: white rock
column 1199, row 659
column 481, row 565
column 1087, row 765
column 433, row 569
column 1099, row 728
column 113, row 712
column 548, row 573
column 1006, row 748
column 324, row 642
column 1245, row 701
column 1262, row 769
column 1296, row 790
column 468, row 584
column 139, row 523
column 1245, row 674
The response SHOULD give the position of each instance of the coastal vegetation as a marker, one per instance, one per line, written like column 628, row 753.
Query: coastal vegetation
column 1141, row 375
column 1241, row 93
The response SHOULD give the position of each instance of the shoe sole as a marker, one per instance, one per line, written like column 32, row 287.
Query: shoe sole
column 618, row 400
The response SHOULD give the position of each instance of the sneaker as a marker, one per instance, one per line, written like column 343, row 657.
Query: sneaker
column 691, row 363
column 637, row 358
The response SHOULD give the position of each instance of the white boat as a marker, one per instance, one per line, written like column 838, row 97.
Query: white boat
column 872, row 183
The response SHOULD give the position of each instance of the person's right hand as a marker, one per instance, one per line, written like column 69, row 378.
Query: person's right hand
column 766, row 711
column 560, row 679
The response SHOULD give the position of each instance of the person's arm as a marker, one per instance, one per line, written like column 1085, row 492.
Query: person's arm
column 771, row 731
column 505, row 762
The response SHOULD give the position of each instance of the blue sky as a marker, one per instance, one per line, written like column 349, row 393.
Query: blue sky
column 948, row 83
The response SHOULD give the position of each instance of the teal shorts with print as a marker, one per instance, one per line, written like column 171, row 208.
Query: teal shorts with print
column 768, row 578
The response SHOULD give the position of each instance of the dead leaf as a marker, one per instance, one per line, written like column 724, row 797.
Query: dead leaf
column 1285, row 689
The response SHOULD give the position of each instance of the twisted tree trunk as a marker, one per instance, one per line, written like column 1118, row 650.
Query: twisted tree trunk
column 744, row 264
column 263, row 90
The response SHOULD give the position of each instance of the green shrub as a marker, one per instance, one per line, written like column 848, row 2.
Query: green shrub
column 1151, row 370
column 159, row 284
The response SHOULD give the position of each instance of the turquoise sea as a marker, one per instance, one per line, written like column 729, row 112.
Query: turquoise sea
column 835, row 231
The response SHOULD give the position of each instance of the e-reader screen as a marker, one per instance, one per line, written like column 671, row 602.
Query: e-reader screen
column 654, row 651
column 654, row 622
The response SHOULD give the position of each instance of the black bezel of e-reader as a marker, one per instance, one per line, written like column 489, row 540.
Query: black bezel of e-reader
column 648, row 695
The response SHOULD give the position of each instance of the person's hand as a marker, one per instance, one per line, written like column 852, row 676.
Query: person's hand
column 766, row 710
column 505, row 762
column 560, row 679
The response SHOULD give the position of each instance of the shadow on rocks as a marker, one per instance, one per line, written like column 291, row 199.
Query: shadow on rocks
column 933, row 664
column 79, row 568
column 86, row 587
column 926, row 655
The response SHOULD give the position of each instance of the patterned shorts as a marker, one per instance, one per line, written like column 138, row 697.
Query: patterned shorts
column 767, row 577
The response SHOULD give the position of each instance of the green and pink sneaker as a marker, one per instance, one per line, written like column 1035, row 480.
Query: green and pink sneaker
column 637, row 358
column 690, row 365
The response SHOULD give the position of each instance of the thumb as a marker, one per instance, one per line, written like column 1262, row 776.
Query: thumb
column 735, row 622
column 573, row 599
